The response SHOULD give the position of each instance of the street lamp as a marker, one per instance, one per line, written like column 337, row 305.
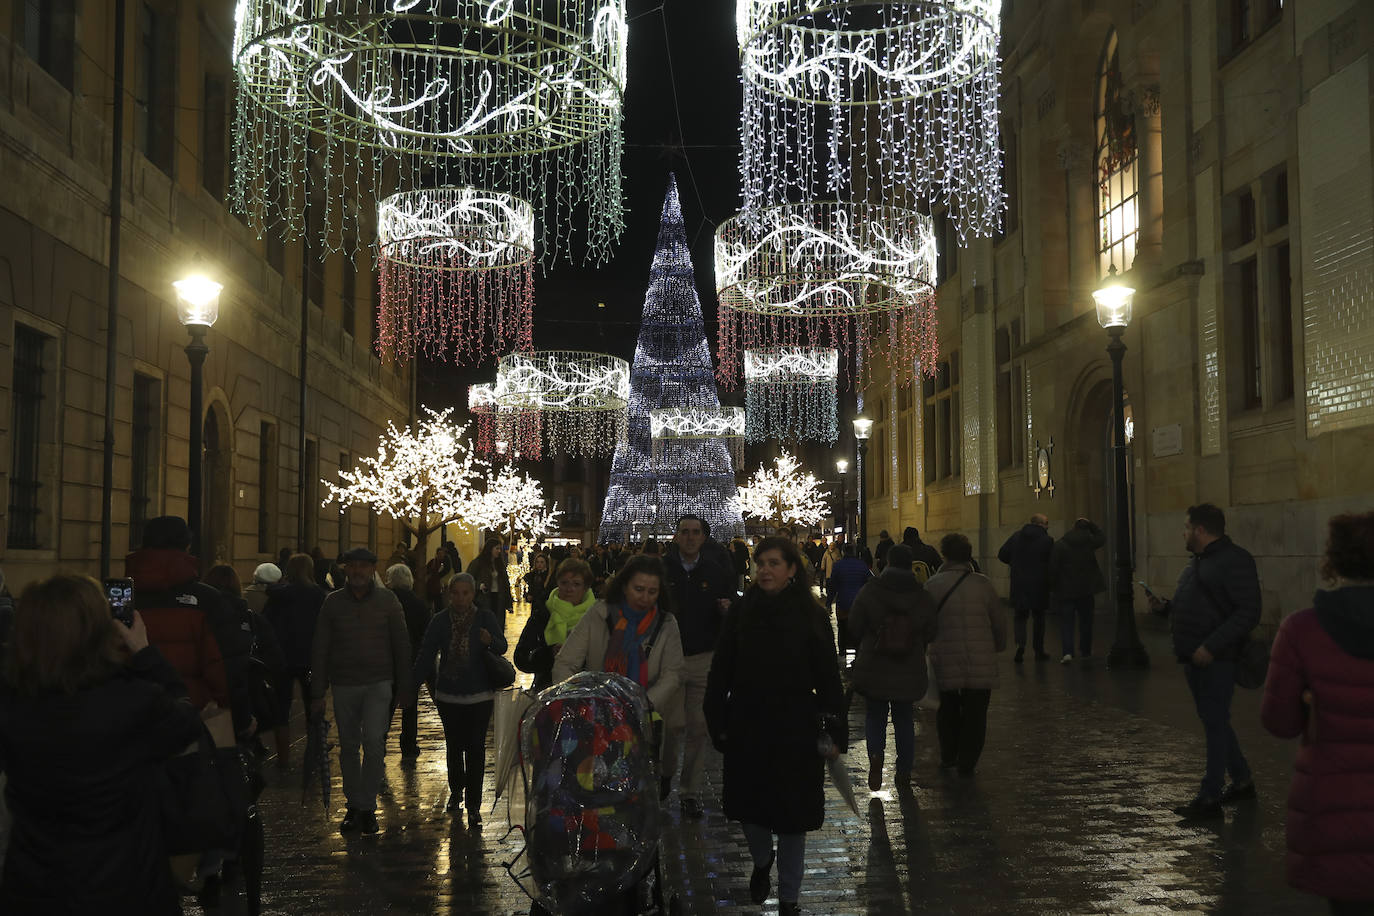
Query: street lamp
column 842, row 465
column 1113, row 301
column 197, row 309
column 862, row 428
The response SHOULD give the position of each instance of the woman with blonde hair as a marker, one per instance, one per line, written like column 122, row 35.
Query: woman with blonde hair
column 87, row 837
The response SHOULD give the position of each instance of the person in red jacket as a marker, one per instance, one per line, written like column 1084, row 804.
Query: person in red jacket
column 1321, row 687
column 176, row 606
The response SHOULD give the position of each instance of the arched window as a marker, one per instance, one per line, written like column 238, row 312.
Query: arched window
column 1118, row 220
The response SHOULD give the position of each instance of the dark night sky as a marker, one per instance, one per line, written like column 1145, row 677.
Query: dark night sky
column 684, row 44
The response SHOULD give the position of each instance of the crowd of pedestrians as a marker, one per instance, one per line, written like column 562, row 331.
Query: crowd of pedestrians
column 733, row 646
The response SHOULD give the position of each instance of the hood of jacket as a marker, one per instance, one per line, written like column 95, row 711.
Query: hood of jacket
column 1080, row 538
column 898, row 581
column 1347, row 616
column 1032, row 532
column 160, row 568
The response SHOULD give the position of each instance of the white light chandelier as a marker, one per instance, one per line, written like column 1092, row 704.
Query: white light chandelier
column 456, row 273
column 502, row 432
column 871, row 99
column 669, row 424
column 826, row 273
column 341, row 98
column 582, row 397
column 790, row 394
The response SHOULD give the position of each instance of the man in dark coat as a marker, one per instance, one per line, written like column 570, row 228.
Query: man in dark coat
column 702, row 591
column 1075, row 578
column 1027, row 552
column 1215, row 606
column 401, row 581
column 921, row 551
column 880, row 552
column 848, row 576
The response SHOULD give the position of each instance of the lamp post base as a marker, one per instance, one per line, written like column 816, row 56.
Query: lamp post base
column 1128, row 657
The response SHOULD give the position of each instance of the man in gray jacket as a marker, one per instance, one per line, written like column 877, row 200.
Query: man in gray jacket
column 362, row 650
column 1215, row 606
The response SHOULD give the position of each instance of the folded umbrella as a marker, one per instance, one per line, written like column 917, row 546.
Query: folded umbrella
column 510, row 707
column 317, row 759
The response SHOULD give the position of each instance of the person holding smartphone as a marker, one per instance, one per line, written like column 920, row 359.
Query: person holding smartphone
column 87, row 835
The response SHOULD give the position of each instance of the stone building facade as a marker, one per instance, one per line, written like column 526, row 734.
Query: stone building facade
column 56, row 91
column 1217, row 155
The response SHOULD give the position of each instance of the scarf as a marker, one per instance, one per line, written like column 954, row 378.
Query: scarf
column 564, row 616
column 625, row 650
column 459, row 641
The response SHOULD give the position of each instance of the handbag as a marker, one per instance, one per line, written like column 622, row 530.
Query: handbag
column 500, row 672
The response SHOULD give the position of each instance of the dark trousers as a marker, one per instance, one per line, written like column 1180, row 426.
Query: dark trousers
column 962, row 724
column 1079, row 610
column 410, row 730
column 286, row 685
column 1212, row 687
column 1038, row 632
column 465, row 738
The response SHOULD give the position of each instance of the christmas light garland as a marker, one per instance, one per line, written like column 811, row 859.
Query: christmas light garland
column 581, row 397
column 456, row 272
column 827, row 273
column 790, row 394
column 519, row 429
column 373, row 94
column 873, row 99
column 669, row 424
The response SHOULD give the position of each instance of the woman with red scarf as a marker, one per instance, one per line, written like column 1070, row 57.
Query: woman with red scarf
column 631, row 632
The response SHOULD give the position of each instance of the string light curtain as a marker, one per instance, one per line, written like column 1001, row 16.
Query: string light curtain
column 827, row 274
column 675, row 424
column 519, row 429
column 654, row 484
column 456, row 273
column 790, row 394
column 873, row 99
column 580, row 397
column 379, row 95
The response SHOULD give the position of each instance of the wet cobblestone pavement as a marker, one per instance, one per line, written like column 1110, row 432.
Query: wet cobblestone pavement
column 1069, row 813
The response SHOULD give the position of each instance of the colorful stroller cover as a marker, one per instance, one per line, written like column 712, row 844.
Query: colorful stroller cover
column 592, row 814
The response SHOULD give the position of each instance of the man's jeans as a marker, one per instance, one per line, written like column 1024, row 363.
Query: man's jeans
column 1212, row 687
column 1080, row 609
column 903, row 725
column 791, row 857
column 1038, row 632
column 363, row 714
column 693, row 739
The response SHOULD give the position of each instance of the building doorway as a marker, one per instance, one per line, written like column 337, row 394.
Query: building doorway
column 217, row 530
column 1093, row 464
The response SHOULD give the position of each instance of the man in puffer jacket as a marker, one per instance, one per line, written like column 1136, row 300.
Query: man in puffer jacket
column 1027, row 552
column 1215, row 606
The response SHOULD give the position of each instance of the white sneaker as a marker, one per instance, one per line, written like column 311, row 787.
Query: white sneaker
column 1066, row 659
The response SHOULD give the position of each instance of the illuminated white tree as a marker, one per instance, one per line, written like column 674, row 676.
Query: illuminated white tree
column 784, row 495
column 424, row 478
column 514, row 506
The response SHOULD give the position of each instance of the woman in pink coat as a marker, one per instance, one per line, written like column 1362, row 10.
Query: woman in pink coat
column 1321, row 687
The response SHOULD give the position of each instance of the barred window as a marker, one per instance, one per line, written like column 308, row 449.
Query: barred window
column 31, row 358
column 1117, row 181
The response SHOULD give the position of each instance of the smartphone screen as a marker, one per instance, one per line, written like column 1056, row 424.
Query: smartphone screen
column 120, row 594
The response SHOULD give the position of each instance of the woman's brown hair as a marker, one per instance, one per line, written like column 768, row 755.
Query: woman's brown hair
column 64, row 637
column 300, row 567
column 223, row 578
column 790, row 553
column 1350, row 547
column 581, row 568
column 649, row 566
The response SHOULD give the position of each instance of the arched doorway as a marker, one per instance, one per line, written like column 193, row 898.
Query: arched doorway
column 1092, row 467
column 217, row 526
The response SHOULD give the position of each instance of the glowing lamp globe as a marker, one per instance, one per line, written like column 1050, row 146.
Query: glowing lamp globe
column 1113, row 300
column 198, row 300
column 842, row 465
column 863, row 427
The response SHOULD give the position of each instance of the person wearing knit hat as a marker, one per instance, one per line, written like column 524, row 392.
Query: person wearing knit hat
column 256, row 593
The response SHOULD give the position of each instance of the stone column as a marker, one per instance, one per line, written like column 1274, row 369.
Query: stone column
column 1149, row 176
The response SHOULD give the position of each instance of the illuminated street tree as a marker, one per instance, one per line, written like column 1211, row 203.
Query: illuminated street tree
column 513, row 505
column 784, row 495
column 425, row 478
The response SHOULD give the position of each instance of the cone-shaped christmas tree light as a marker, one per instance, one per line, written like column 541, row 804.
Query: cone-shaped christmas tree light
column 650, row 490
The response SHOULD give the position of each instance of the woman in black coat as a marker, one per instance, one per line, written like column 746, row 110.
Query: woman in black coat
column 774, row 684
column 88, row 713
column 293, row 608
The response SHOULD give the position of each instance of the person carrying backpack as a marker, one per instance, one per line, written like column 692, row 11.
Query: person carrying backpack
column 892, row 620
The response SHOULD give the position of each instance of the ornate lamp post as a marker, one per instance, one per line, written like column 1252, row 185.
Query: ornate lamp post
column 1113, row 301
column 198, row 309
column 842, row 465
column 862, row 428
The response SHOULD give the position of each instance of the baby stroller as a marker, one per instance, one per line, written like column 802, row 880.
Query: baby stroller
column 592, row 809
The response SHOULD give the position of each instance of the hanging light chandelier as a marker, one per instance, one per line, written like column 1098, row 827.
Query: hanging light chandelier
column 456, row 274
column 678, row 424
column 501, row 431
column 790, row 394
column 582, row 398
column 874, row 99
column 826, row 273
column 341, row 98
